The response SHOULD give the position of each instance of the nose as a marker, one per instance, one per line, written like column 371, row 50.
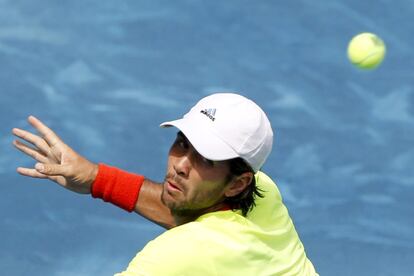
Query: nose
column 182, row 165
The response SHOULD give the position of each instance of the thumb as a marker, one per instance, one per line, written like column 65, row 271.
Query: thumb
column 51, row 169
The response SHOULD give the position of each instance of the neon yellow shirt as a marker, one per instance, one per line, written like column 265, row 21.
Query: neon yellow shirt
column 225, row 243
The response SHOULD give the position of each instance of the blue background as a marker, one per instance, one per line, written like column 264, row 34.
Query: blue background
column 104, row 74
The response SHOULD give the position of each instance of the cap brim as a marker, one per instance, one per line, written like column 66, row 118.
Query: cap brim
column 206, row 143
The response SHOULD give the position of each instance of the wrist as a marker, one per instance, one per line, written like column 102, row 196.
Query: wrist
column 93, row 173
column 116, row 186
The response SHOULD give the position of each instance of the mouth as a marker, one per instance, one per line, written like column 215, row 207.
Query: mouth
column 172, row 187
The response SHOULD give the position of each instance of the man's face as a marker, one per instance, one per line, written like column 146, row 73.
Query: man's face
column 192, row 183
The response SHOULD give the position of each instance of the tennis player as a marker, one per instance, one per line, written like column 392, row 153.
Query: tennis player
column 223, row 214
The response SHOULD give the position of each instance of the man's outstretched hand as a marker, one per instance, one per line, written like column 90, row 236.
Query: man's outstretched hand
column 56, row 160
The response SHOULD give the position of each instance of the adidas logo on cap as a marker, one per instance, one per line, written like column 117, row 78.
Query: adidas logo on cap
column 210, row 113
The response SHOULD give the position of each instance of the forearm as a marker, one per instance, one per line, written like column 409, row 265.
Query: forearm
column 150, row 206
column 132, row 192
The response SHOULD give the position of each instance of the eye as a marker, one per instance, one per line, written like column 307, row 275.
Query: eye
column 207, row 162
column 181, row 142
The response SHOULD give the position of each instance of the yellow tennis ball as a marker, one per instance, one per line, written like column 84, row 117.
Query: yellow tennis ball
column 366, row 50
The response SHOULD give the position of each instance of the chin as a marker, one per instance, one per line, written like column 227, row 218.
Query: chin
column 168, row 200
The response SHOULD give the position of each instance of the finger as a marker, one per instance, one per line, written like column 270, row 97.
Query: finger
column 30, row 173
column 34, row 153
column 35, row 174
column 52, row 169
column 32, row 139
column 51, row 138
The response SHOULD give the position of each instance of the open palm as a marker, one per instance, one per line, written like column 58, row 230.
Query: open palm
column 56, row 161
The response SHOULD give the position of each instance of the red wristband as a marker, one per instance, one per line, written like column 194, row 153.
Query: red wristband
column 118, row 187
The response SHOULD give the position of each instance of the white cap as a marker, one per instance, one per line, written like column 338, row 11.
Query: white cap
column 224, row 126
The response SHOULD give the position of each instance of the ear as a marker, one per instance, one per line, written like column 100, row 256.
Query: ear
column 238, row 184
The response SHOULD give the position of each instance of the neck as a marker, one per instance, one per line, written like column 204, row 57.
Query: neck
column 184, row 216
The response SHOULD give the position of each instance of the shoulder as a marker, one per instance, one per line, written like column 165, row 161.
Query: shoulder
column 179, row 240
column 269, row 211
column 267, row 186
column 178, row 251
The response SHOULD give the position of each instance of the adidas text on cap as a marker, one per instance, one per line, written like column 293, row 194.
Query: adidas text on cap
column 224, row 126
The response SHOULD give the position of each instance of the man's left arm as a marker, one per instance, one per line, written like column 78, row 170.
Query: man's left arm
column 61, row 164
column 132, row 192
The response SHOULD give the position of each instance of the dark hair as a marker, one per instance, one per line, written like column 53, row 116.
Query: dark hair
column 245, row 200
